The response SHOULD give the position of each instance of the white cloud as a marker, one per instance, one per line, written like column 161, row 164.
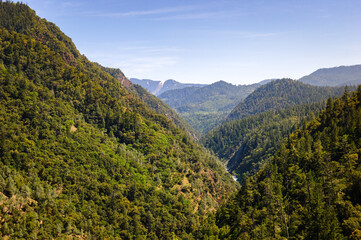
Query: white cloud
column 145, row 12
column 241, row 34
column 189, row 12
column 72, row 4
column 202, row 15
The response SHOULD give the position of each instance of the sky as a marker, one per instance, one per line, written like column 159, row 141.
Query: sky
column 204, row 41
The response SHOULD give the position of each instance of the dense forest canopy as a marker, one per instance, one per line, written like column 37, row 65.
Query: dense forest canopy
column 152, row 102
column 83, row 157
column 85, row 154
column 246, row 144
column 281, row 93
column 310, row 189
column 256, row 126
column 205, row 107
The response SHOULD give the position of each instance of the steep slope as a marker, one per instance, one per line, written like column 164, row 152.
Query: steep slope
column 311, row 188
column 158, row 87
column 336, row 76
column 262, row 121
column 81, row 156
column 246, row 144
column 205, row 107
column 150, row 85
column 281, row 94
column 152, row 101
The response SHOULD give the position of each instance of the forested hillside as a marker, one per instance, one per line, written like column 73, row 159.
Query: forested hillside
column 257, row 125
column 152, row 101
column 281, row 94
column 246, row 144
column 81, row 156
column 310, row 189
column 207, row 106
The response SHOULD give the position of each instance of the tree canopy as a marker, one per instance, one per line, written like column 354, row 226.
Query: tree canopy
column 83, row 157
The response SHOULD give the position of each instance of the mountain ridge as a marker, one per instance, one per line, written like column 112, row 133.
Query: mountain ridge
column 152, row 101
column 279, row 94
column 334, row 76
column 310, row 189
column 257, row 125
column 83, row 157
column 158, row 87
column 205, row 107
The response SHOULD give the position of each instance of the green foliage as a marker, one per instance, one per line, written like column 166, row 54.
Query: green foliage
column 248, row 143
column 152, row 102
column 281, row 94
column 310, row 189
column 205, row 107
column 262, row 121
column 81, row 156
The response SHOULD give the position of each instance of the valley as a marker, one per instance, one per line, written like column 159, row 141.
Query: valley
column 86, row 153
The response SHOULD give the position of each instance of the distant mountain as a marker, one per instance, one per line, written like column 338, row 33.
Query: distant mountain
column 152, row 101
column 336, row 76
column 281, row 94
column 158, row 87
column 267, row 81
column 204, row 107
column 152, row 86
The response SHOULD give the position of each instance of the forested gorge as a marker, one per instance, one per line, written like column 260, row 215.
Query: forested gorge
column 311, row 187
column 246, row 144
column 86, row 154
column 255, row 128
column 81, row 156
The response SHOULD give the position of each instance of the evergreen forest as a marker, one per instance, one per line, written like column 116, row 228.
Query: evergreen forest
column 206, row 107
column 246, row 144
column 83, row 157
column 310, row 189
column 281, row 93
column 87, row 154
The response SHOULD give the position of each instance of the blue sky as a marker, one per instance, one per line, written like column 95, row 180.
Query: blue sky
column 201, row 41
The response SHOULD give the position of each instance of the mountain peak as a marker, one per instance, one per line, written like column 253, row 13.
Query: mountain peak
column 335, row 76
column 281, row 93
column 158, row 87
column 221, row 82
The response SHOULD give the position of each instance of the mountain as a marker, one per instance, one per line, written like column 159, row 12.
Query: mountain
column 158, row 87
column 152, row 101
column 204, row 107
column 309, row 190
column 281, row 94
column 246, row 144
column 258, row 125
column 172, row 84
column 336, row 76
column 83, row 157
column 263, row 82
column 150, row 85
